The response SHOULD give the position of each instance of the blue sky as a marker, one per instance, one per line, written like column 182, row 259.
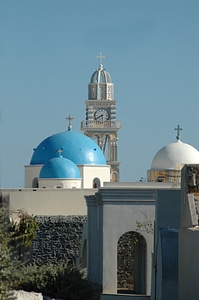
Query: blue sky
column 48, row 52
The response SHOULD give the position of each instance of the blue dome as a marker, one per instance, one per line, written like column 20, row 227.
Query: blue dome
column 59, row 167
column 75, row 146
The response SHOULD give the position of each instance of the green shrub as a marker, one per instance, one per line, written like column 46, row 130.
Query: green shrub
column 22, row 234
column 60, row 281
column 7, row 265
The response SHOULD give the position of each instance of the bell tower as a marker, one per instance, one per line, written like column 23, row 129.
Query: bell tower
column 101, row 124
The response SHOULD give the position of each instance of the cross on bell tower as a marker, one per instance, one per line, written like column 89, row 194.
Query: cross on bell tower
column 100, row 56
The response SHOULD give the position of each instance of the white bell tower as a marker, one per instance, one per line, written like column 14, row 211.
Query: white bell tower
column 101, row 124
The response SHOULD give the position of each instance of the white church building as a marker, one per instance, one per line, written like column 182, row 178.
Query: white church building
column 78, row 174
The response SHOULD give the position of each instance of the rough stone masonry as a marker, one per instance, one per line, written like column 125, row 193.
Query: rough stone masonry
column 58, row 239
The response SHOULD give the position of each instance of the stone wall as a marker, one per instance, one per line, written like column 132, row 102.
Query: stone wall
column 58, row 239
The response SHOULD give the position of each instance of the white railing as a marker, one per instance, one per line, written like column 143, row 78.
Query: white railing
column 97, row 124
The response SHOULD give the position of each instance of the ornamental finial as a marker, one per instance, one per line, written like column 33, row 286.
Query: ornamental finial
column 69, row 118
column 178, row 129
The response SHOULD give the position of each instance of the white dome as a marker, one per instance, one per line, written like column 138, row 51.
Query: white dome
column 174, row 154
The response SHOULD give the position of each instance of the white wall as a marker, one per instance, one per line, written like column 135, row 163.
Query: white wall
column 118, row 219
column 31, row 172
column 51, row 183
column 111, row 213
column 49, row 201
column 89, row 172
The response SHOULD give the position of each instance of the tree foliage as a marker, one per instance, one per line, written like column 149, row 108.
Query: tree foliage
column 145, row 226
column 7, row 265
column 24, row 231
column 61, row 281
column 13, row 236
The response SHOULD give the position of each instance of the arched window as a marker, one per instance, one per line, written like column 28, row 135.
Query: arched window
column 106, row 147
column 131, row 263
column 96, row 139
column 96, row 183
column 114, row 176
column 35, row 183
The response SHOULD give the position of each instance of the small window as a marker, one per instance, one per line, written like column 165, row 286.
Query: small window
column 160, row 179
column 35, row 183
column 96, row 183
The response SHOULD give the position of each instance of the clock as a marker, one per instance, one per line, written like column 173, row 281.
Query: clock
column 101, row 115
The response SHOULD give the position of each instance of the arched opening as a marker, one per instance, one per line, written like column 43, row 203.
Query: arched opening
column 114, row 176
column 96, row 139
column 106, row 147
column 35, row 183
column 96, row 183
column 131, row 264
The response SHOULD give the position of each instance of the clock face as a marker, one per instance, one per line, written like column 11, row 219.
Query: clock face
column 101, row 115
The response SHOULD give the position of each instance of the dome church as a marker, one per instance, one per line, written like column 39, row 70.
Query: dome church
column 67, row 160
column 168, row 161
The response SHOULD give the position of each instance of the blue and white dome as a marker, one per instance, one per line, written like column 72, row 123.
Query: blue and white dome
column 100, row 76
column 75, row 146
column 59, row 167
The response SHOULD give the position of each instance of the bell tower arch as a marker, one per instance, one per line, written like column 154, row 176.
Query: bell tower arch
column 101, row 124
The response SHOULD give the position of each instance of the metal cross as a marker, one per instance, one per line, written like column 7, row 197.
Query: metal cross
column 178, row 132
column 69, row 118
column 59, row 151
column 100, row 56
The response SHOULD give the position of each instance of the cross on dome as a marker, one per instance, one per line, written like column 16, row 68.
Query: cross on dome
column 69, row 118
column 59, row 151
column 100, row 56
column 178, row 129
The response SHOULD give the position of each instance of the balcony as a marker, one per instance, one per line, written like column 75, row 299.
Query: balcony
column 93, row 125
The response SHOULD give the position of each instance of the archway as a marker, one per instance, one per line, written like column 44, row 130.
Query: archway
column 96, row 139
column 114, row 176
column 106, row 147
column 96, row 183
column 131, row 263
column 35, row 183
